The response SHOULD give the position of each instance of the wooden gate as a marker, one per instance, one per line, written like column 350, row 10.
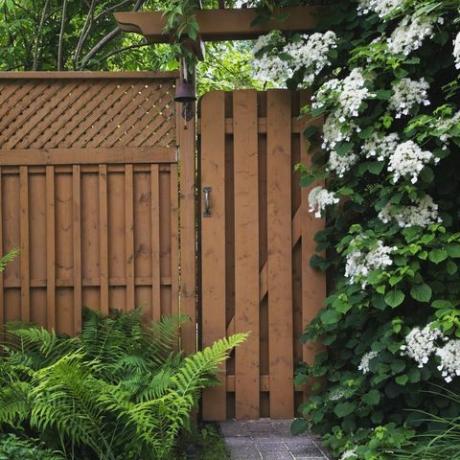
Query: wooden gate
column 88, row 192
column 255, row 266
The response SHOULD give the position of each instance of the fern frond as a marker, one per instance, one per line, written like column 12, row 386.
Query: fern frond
column 7, row 258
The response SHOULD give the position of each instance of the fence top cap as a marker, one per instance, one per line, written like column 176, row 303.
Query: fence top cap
column 30, row 75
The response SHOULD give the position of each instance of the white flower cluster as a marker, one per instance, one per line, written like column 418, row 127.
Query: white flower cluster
column 310, row 52
column 421, row 343
column 380, row 146
column 407, row 94
column 335, row 132
column 360, row 264
column 409, row 34
column 319, row 198
column 366, row 360
column 348, row 95
column 444, row 126
column 408, row 160
column 449, row 356
column 423, row 213
column 457, row 51
column 340, row 164
column 381, row 7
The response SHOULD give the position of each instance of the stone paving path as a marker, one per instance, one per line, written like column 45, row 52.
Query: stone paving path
column 269, row 440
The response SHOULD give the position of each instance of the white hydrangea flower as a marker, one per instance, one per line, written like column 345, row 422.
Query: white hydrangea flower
column 349, row 454
column 449, row 355
column 409, row 34
column 335, row 132
column 408, row 160
column 444, row 126
column 424, row 212
column 366, row 360
column 336, row 394
column 421, row 343
column 359, row 264
column 340, row 164
column 380, row 146
column 319, row 198
column 348, row 94
column 381, row 7
column 310, row 53
column 407, row 94
column 457, row 51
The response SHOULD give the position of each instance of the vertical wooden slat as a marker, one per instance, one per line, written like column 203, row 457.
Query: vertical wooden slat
column 186, row 137
column 24, row 237
column 280, row 303
column 2, row 294
column 103, row 240
column 155, row 226
column 77, row 269
column 213, row 240
column 313, row 281
column 174, row 206
column 247, row 378
column 50, row 249
column 129, row 229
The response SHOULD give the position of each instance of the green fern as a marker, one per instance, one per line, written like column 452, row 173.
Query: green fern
column 120, row 391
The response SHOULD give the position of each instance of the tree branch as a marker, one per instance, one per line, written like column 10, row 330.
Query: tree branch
column 36, row 52
column 61, row 36
column 105, row 40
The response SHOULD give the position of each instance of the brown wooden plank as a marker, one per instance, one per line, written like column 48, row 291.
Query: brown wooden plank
column 245, row 154
column 2, row 294
column 213, row 241
column 224, row 24
column 186, row 138
column 174, row 206
column 155, row 229
column 280, row 304
column 50, row 248
column 24, row 236
column 129, row 235
column 103, row 240
column 77, row 268
column 313, row 281
column 85, row 75
column 117, row 155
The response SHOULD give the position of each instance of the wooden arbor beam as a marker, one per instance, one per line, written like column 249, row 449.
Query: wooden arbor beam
column 224, row 24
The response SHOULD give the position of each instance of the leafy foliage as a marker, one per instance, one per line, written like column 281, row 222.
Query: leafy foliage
column 120, row 390
column 371, row 399
column 14, row 448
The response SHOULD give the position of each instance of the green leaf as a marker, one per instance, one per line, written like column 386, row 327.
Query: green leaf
column 453, row 250
column 299, row 426
column 421, row 292
column 344, row 148
column 438, row 255
column 383, row 94
column 394, row 298
column 372, row 398
column 330, row 316
column 402, row 379
column 344, row 409
column 451, row 267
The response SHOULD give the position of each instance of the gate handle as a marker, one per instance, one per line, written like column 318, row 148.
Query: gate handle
column 207, row 201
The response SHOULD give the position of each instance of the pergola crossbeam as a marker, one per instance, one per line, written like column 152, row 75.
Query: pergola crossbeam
column 225, row 24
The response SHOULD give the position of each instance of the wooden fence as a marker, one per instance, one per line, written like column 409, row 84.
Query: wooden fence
column 254, row 265
column 88, row 192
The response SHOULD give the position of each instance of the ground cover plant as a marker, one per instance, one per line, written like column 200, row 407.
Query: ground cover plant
column 385, row 80
column 120, row 390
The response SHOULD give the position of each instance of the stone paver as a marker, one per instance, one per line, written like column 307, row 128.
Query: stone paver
column 267, row 439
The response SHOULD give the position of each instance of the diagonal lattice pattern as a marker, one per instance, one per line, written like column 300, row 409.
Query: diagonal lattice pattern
column 79, row 113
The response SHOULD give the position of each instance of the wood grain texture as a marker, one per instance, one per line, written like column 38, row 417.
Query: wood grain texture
column 280, row 304
column 103, row 241
column 245, row 154
column 50, row 248
column 186, row 140
column 77, row 268
column 213, row 241
column 24, row 238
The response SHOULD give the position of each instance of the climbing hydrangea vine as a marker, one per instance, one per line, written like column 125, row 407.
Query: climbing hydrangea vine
column 385, row 79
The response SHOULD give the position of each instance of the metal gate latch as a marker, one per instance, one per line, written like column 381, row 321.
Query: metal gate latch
column 207, row 201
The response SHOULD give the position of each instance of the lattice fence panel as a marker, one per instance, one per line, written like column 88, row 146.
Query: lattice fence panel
column 82, row 113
